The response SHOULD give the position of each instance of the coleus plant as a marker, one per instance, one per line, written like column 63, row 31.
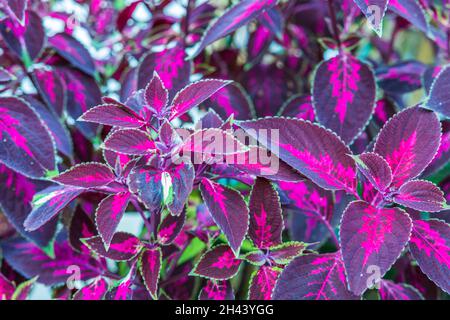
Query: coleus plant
column 171, row 157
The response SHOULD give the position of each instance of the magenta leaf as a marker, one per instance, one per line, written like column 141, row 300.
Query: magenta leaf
column 374, row 11
column 408, row 142
column 26, row 144
column 16, row 194
column 194, row 94
column 74, row 52
column 285, row 252
column 421, row 195
column 375, row 169
column 48, row 203
column 171, row 67
column 7, row 288
column 51, row 271
column 218, row 263
column 313, row 277
column 129, row 141
column 325, row 161
column 170, row 228
column 149, row 265
column 412, row 12
column 51, row 88
column 262, row 283
column 229, row 211
column 123, row 288
column 23, row 290
column 430, row 246
column 25, row 40
column 112, row 115
column 299, row 107
column 266, row 220
column 371, row 239
column 108, row 215
column 398, row 291
column 231, row 100
column 156, row 95
column 344, row 95
column 439, row 97
column 216, row 290
column 123, row 247
column 237, row 16
column 96, row 290
column 86, row 175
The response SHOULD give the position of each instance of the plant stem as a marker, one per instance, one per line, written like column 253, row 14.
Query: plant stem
column 141, row 212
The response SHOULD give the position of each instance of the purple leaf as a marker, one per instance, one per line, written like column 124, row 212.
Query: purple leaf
column 182, row 179
column 266, row 220
column 112, row 115
column 398, row 291
column 93, row 291
column 58, row 131
column 123, row 289
column 313, row 277
column 229, row 211
column 401, row 77
column 237, row 16
column 324, row 160
column 257, row 258
column 123, row 247
column 156, row 95
column 411, row 11
column 408, row 142
column 218, row 263
column 51, row 88
column 344, row 95
column 149, row 265
column 231, row 100
column 285, row 252
column 421, row 195
column 86, row 175
column 194, row 94
column 51, row 271
column 375, row 169
column 258, row 162
column 16, row 194
column 439, row 97
column 108, row 215
column 374, row 11
column 130, row 141
column 298, row 107
column 146, row 183
column 430, row 246
column 83, row 93
column 170, row 65
column 262, row 283
column 27, row 40
column 216, row 290
column 48, row 203
column 26, row 144
column 371, row 241
column 170, row 228
column 74, row 52
column 209, row 142
column 18, row 8
column 81, row 227
column 5, row 76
